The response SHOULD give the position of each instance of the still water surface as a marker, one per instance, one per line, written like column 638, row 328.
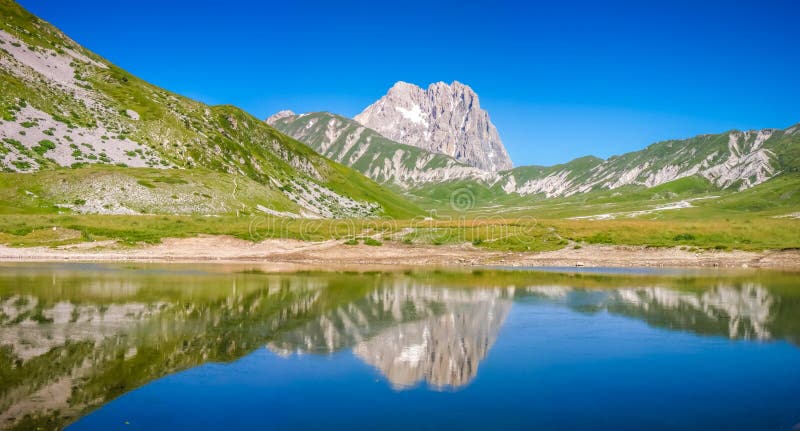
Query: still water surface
column 104, row 347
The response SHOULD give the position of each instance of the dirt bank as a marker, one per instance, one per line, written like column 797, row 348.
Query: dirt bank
column 227, row 249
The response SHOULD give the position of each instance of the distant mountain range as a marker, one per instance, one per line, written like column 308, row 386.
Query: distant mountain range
column 406, row 139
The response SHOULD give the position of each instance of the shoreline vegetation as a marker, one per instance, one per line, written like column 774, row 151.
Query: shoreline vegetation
column 519, row 234
column 698, row 236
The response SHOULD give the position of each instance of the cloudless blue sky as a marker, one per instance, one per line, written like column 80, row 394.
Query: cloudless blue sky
column 560, row 79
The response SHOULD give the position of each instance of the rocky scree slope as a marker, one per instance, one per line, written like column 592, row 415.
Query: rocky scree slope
column 64, row 107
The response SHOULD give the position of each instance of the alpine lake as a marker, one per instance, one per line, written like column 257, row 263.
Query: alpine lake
column 239, row 347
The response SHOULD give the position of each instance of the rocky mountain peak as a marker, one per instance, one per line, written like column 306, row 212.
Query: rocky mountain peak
column 444, row 118
column 274, row 118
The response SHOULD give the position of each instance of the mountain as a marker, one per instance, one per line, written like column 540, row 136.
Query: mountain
column 444, row 119
column 733, row 160
column 64, row 109
column 385, row 161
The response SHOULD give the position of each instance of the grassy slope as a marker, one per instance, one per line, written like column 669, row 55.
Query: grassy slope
column 186, row 133
column 143, row 190
column 577, row 167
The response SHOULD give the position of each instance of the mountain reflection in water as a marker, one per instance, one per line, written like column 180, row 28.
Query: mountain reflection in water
column 411, row 333
column 73, row 338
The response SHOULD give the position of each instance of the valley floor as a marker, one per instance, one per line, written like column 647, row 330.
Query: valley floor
column 284, row 254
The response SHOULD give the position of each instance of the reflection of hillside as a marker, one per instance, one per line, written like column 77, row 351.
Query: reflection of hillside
column 746, row 311
column 63, row 322
column 735, row 312
column 65, row 357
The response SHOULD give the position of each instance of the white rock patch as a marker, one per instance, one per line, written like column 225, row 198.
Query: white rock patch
column 74, row 144
column 53, row 67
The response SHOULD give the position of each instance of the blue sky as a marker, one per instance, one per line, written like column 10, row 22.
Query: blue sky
column 559, row 79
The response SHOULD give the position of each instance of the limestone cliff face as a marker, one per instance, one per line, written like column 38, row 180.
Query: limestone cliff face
column 444, row 119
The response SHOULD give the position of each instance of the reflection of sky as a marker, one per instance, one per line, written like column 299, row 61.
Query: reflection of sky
column 550, row 366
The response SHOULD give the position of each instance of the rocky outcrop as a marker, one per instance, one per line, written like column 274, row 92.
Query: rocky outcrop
column 274, row 118
column 444, row 119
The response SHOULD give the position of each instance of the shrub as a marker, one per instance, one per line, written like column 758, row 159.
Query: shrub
column 351, row 242
column 372, row 242
column 600, row 238
column 23, row 166
column 43, row 147
column 683, row 237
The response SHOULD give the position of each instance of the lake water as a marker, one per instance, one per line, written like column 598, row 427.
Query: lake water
column 116, row 347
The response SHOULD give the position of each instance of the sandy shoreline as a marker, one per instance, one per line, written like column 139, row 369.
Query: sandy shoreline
column 327, row 253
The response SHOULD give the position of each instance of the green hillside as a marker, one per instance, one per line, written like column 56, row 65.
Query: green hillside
column 64, row 107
